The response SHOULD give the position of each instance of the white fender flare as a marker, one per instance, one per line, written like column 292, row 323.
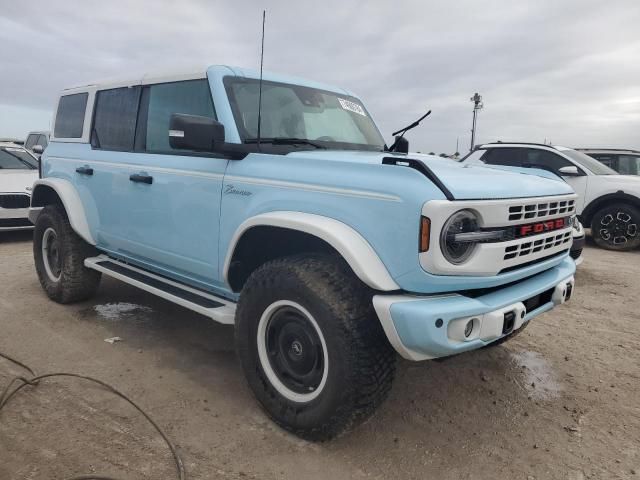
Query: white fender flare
column 356, row 251
column 71, row 202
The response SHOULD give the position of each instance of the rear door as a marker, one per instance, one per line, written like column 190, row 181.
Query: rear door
column 112, row 157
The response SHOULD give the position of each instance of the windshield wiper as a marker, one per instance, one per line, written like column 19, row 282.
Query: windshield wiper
column 399, row 140
column 286, row 141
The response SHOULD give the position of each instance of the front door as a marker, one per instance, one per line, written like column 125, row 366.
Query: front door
column 165, row 207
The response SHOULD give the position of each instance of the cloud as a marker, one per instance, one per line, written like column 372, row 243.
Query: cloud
column 565, row 71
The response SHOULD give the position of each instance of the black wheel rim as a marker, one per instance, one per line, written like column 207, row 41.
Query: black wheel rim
column 618, row 228
column 294, row 350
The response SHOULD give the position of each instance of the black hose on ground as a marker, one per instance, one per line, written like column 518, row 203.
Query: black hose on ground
column 18, row 383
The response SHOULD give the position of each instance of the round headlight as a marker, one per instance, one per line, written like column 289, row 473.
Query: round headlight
column 454, row 250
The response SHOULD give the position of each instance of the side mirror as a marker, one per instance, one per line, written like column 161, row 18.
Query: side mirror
column 569, row 171
column 194, row 132
column 401, row 145
column 37, row 149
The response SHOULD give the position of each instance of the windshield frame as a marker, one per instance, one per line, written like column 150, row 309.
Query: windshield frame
column 325, row 144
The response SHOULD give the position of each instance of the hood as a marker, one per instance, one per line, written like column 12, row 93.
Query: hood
column 464, row 181
column 17, row 181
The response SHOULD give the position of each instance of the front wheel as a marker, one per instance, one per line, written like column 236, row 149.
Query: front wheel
column 310, row 344
column 616, row 227
column 59, row 255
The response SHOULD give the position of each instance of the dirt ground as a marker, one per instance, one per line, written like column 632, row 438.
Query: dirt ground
column 561, row 401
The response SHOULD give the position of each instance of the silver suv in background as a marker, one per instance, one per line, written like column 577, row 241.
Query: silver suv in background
column 36, row 142
column 625, row 162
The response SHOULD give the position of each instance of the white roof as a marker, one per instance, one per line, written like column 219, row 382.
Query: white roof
column 170, row 75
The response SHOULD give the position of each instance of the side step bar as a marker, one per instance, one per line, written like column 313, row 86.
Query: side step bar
column 217, row 308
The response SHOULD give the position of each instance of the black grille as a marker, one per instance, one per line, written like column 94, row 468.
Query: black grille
column 575, row 254
column 15, row 222
column 532, row 262
column 15, row 201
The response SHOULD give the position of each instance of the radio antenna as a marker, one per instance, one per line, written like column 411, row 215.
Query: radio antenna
column 264, row 14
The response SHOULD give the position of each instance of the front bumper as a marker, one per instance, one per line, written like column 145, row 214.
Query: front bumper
column 427, row 327
column 14, row 219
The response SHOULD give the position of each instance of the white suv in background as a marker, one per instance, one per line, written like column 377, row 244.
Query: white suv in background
column 609, row 203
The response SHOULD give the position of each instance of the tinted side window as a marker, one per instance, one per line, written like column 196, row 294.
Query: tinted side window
column 629, row 165
column 114, row 123
column 31, row 141
column 608, row 160
column 70, row 116
column 42, row 140
column 544, row 159
column 192, row 97
column 510, row 157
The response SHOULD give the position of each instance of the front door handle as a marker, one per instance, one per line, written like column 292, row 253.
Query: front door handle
column 140, row 178
column 84, row 170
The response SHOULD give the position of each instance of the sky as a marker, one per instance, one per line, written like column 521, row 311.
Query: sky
column 560, row 71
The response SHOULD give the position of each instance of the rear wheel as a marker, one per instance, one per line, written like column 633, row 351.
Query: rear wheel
column 59, row 255
column 616, row 227
column 312, row 349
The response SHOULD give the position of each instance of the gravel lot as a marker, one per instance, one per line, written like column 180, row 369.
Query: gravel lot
column 561, row 401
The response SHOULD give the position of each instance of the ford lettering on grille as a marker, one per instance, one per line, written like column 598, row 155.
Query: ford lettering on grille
column 542, row 227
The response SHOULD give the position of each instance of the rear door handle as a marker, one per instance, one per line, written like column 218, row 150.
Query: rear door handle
column 84, row 170
column 140, row 178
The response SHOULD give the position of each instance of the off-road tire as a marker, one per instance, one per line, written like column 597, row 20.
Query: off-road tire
column 614, row 210
column 506, row 338
column 75, row 282
column 361, row 362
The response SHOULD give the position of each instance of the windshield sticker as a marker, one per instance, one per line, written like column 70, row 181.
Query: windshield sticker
column 352, row 107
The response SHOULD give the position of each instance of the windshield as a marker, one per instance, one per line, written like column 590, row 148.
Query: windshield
column 295, row 112
column 16, row 159
column 589, row 163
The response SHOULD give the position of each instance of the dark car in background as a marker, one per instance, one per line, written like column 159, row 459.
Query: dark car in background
column 625, row 162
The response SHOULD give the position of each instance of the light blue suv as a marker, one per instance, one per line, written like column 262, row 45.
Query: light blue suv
column 277, row 207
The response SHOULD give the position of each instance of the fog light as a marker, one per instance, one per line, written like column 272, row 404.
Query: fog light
column 468, row 328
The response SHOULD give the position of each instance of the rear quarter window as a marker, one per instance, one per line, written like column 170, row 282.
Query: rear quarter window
column 70, row 115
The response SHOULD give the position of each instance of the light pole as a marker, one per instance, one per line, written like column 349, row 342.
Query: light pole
column 477, row 105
